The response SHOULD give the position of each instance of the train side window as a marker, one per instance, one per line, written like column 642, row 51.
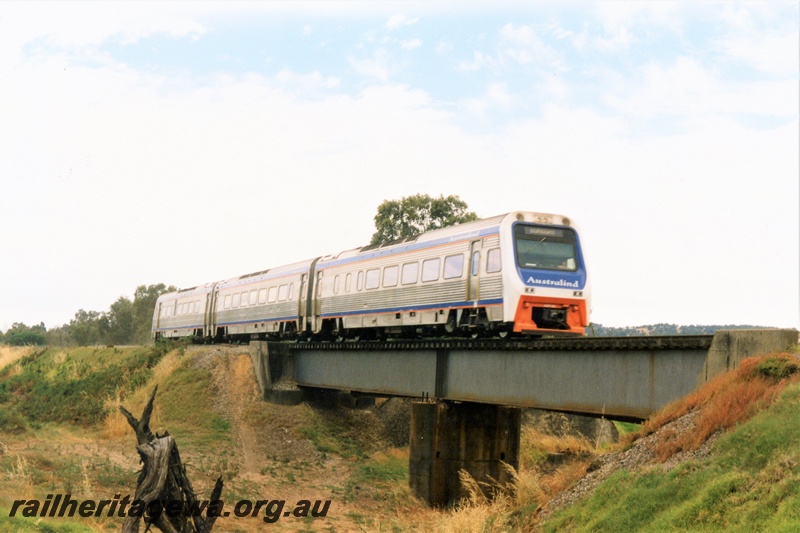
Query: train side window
column 336, row 284
column 347, row 282
column 410, row 271
column 430, row 269
column 476, row 262
column 253, row 297
column 390, row 276
column 493, row 261
column 282, row 291
column 272, row 295
column 237, row 298
column 373, row 278
column 245, row 298
column 262, row 296
column 291, row 291
column 360, row 281
column 227, row 301
column 453, row 266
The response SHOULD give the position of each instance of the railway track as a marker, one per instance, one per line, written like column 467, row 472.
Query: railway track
column 661, row 342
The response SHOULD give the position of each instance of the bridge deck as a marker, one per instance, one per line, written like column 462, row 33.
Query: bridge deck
column 629, row 377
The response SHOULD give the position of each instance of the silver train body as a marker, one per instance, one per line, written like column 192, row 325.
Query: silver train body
column 518, row 273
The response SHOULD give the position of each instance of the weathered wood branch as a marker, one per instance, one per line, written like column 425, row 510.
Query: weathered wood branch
column 163, row 486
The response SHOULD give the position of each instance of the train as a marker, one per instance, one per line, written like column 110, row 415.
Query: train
column 512, row 275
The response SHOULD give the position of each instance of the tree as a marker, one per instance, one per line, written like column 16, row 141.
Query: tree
column 144, row 302
column 412, row 215
column 87, row 328
column 121, row 321
column 22, row 335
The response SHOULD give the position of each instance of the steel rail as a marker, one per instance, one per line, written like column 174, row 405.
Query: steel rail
column 656, row 342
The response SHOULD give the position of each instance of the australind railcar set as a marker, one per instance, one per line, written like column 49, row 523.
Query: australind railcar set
column 518, row 273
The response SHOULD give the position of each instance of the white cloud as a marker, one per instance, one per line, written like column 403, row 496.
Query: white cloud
column 411, row 44
column 523, row 45
column 479, row 61
column 306, row 84
column 399, row 20
column 687, row 89
column 621, row 19
column 376, row 68
column 773, row 53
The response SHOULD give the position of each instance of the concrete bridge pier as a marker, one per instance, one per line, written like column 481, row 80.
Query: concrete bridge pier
column 447, row 437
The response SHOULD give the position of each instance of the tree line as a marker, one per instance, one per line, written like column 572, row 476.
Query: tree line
column 126, row 322
column 598, row 330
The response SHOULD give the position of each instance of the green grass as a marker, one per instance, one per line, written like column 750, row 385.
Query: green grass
column 19, row 524
column 329, row 432
column 186, row 400
column 381, row 469
column 751, row 482
column 71, row 386
column 626, row 427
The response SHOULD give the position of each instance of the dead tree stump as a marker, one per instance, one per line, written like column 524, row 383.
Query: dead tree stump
column 163, row 487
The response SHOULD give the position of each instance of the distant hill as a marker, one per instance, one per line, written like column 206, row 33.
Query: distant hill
column 599, row 330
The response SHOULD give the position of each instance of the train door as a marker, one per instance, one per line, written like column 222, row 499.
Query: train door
column 210, row 318
column 473, row 279
column 317, row 324
column 306, row 300
column 302, row 298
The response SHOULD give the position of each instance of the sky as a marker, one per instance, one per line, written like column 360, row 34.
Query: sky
column 189, row 142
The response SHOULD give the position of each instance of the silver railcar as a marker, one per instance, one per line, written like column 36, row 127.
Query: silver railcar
column 521, row 272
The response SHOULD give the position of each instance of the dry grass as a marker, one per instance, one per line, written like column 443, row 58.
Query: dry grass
column 562, row 479
column 513, row 506
column 10, row 354
column 723, row 402
column 115, row 426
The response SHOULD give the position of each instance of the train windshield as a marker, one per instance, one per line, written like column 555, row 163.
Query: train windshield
column 545, row 247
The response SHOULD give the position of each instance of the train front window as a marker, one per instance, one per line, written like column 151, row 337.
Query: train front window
column 545, row 247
